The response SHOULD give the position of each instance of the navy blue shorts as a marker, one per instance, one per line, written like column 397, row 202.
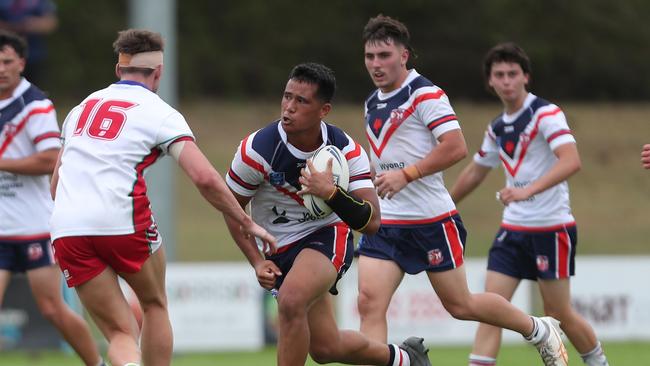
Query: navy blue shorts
column 433, row 247
column 335, row 242
column 535, row 254
column 25, row 255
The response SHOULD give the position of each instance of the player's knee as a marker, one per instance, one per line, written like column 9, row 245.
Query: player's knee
column 368, row 304
column 154, row 303
column 291, row 306
column 49, row 309
column 459, row 310
column 322, row 354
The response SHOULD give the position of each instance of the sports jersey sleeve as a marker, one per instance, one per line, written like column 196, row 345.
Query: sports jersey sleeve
column 435, row 111
column 173, row 129
column 554, row 127
column 246, row 171
column 43, row 129
column 359, row 166
column 488, row 155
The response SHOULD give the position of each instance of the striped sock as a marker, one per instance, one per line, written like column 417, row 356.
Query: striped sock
column 398, row 357
column 595, row 357
column 476, row 360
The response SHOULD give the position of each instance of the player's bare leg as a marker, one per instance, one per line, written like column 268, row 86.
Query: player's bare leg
column 105, row 302
column 329, row 344
column 487, row 340
column 307, row 322
column 149, row 285
column 451, row 288
column 310, row 277
column 45, row 283
column 5, row 276
column 556, row 295
column 378, row 281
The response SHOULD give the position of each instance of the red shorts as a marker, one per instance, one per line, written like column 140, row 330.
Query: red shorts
column 82, row 258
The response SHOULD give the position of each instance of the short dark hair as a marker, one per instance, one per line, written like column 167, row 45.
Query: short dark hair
column 506, row 52
column 384, row 28
column 11, row 39
column 132, row 41
column 318, row 74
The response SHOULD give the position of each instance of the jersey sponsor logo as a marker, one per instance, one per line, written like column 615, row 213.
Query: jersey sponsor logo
column 542, row 263
column 34, row 251
column 282, row 217
column 277, row 179
column 435, row 257
column 397, row 116
column 388, row 166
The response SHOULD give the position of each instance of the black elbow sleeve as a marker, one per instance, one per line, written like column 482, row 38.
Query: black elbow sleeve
column 355, row 213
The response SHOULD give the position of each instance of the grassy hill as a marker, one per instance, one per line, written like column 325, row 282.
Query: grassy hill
column 609, row 196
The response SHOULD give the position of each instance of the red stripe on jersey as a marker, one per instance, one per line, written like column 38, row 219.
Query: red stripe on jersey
column 361, row 176
column 524, row 146
column 341, row 232
column 241, row 182
column 437, row 122
column 292, row 195
column 182, row 138
column 249, row 161
column 537, row 229
column 22, row 124
column 563, row 248
column 33, row 237
column 47, row 135
column 141, row 204
column 420, row 221
column 354, row 153
column 454, row 243
column 407, row 113
column 558, row 134
column 260, row 168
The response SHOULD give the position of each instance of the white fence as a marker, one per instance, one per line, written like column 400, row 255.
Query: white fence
column 218, row 306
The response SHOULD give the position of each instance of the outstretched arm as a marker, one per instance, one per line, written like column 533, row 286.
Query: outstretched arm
column 213, row 188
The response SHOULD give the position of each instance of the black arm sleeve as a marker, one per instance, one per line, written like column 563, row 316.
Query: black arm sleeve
column 355, row 213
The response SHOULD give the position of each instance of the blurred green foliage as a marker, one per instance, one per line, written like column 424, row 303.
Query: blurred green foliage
column 236, row 49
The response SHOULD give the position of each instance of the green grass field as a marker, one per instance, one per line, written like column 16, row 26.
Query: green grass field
column 621, row 354
column 609, row 196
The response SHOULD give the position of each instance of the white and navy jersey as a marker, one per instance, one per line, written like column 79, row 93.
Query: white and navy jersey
column 266, row 167
column 27, row 126
column 524, row 143
column 403, row 127
column 110, row 139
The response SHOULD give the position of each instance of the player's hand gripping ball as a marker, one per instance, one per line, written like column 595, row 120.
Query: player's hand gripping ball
column 340, row 172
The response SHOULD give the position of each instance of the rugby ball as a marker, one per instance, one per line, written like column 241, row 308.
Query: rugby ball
column 316, row 205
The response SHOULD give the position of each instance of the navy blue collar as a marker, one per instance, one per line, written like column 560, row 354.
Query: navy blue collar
column 131, row 82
